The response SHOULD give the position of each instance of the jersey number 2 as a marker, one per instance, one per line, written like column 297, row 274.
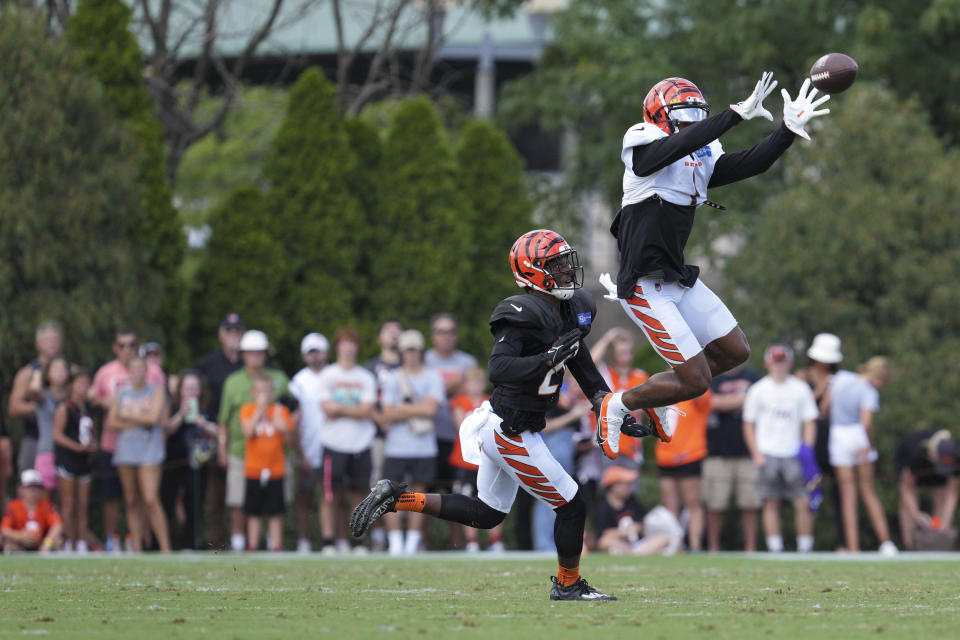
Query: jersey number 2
column 551, row 381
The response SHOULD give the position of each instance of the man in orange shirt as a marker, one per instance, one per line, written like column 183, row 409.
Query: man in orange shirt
column 30, row 523
column 268, row 428
column 680, row 460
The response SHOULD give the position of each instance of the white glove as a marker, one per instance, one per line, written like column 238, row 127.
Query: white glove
column 797, row 113
column 753, row 106
column 607, row 283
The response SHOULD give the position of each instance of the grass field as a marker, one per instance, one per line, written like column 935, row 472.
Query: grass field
column 287, row 596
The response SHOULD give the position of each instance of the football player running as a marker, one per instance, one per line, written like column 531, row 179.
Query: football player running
column 537, row 336
column 670, row 159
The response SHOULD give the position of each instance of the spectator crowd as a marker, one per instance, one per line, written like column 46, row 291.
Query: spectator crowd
column 198, row 459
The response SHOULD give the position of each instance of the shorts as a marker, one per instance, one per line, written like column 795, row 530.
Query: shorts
column 723, row 477
column 781, row 478
column 689, row 470
column 348, row 471
column 43, row 464
column 109, row 480
column 263, row 499
column 236, row 483
column 678, row 321
column 84, row 478
column 465, row 482
column 846, row 440
column 509, row 462
column 420, row 471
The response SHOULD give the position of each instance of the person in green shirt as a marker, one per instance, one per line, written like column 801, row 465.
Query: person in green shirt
column 237, row 392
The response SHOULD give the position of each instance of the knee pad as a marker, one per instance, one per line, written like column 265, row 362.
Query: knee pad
column 487, row 517
column 574, row 510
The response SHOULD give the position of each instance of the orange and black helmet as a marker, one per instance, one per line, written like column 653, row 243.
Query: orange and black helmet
column 542, row 260
column 674, row 100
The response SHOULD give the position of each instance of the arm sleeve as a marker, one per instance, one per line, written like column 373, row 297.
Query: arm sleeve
column 739, row 165
column 585, row 371
column 506, row 364
column 656, row 155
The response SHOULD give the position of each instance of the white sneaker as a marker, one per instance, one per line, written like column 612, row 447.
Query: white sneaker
column 888, row 549
column 303, row 546
column 343, row 546
column 664, row 420
column 473, row 546
column 496, row 547
column 328, row 550
column 360, row 550
column 80, row 546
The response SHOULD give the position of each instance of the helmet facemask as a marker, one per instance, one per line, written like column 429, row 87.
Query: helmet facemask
column 564, row 273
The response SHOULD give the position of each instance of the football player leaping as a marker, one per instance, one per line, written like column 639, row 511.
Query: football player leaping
column 537, row 335
column 671, row 158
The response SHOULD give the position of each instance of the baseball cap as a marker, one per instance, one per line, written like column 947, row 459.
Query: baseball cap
column 232, row 319
column 617, row 474
column 825, row 348
column 411, row 339
column 778, row 353
column 944, row 454
column 150, row 347
column 31, row 478
column 254, row 340
column 314, row 342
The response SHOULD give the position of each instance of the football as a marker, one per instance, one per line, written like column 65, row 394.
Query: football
column 834, row 72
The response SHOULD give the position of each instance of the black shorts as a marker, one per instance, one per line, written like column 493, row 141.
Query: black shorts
column 264, row 500
column 689, row 470
column 348, row 471
column 420, row 471
column 465, row 483
column 446, row 472
column 109, row 480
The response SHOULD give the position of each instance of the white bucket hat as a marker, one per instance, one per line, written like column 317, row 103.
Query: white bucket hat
column 825, row 349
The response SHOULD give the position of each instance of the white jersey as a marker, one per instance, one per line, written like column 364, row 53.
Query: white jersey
column 305, row 387
column 778, row 411
column 683, row 183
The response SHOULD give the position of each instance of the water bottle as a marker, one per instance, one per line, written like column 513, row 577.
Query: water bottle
column 86, row 430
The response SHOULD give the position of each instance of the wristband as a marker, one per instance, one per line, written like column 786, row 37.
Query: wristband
column 47, row 543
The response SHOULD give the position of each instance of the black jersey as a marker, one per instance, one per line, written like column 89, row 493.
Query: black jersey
column 525, row 384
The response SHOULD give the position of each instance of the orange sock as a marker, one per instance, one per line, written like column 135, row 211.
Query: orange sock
column 412, row 502
column 568, row 577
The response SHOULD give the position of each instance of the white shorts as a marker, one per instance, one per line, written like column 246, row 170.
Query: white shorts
column 679, row 322
column 846, row 441
column 508, row 462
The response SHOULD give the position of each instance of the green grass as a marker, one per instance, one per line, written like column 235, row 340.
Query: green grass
column 286, row 596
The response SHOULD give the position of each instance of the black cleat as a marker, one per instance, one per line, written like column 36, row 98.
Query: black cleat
column 382, row 499
column 579, row 590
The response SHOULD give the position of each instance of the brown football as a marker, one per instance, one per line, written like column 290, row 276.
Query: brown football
column 834, row 72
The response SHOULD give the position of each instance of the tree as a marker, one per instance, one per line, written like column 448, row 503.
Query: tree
column 243, row 267
column 405, row 36
column 232, row 157
column 496, row 212
column 313, row 212
column 420, row 265
column 71, row 202
column 99, row 30
column 863, row 244
column 364, row 181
